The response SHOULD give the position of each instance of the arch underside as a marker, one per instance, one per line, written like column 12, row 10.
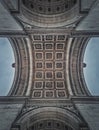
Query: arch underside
column 49, row 7
column 49, row 66
column 47, row 118
column 49, row 13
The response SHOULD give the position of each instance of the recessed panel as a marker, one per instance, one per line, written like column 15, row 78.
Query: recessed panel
column 49, row 68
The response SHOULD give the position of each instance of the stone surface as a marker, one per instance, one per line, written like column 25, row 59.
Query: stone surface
column 7, row 22
column 12, row 4
column 91, row 21
column 8, row 113
column 86, row 4
column 15, row 4
column 90, row 113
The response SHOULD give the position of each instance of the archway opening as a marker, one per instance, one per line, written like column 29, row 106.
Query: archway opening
column 49, row 118
column 91, row 71
column 6, row 69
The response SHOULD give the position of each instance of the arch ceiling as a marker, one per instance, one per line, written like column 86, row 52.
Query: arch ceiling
column 49, row 7
column 47, row 118
column 49, row 64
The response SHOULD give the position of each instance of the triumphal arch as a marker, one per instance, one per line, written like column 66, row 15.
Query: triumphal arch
column 49, row 38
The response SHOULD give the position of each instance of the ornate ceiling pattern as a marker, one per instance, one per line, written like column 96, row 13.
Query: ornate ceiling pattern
column 49, row 62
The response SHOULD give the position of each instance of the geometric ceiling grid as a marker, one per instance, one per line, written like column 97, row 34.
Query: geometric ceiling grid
column 49, row 63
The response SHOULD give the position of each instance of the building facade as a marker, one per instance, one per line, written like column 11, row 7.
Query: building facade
column 49, row 38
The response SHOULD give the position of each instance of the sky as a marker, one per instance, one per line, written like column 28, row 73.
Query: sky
column 6, row 70
column 91, row 72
